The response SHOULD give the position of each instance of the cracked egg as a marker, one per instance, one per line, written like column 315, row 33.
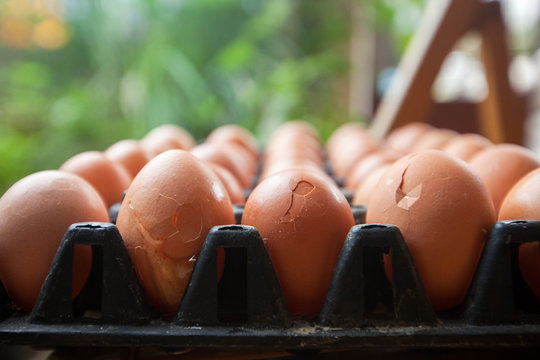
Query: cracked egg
column 303, row 219
column 444, row 213
column 170, row 207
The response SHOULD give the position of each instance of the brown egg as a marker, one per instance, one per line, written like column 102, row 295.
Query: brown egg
column 523, row 203
column 366, row 166
column 222, row 155
column 106, row 176
column 501, row 166
column 434, row 139
column 167, row 137
column 129, row 154
column 236, row 134
column 168, row 210
column 295, row 128
column 465, row 146
column 404, row 138
column 231, row 184
column 35, row 213
column 444, row 212
column 363, row 192
column 349, row 151
column 343, row 131
column 303, row 219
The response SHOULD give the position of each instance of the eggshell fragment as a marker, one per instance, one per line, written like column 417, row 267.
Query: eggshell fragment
column 501, row 166
column 166, row 214
column 107, row 177
column 523, row 203
column 303, row 219
column 35, row 213
column 444, row 212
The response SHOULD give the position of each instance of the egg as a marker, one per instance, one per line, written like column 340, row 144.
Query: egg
column 35, row 213
column 303, row 219
column 106, row 176
column 236, row 134
column 167, row 137
column 342, row 132
column 404, row 138
column 363, row 192
column 128, row 153
column 166, row 214
column 434, row 139
column 444, row 213
column 366, row 165
column 349, row 151
column 231, row 184
column 523, row 203
column 501, row 166
column 221, row 154
column 465, row 146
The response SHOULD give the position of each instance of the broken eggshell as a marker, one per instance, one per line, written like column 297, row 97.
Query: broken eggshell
column 168, row 210
column 444, row 213
column 303, row 219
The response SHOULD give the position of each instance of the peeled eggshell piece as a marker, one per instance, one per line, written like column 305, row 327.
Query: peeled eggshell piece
column 523, row 203
column 166, row 214
column 35, row 213
column 109, row 178
column 303, row 219
column 444, row 212
column 501, row 166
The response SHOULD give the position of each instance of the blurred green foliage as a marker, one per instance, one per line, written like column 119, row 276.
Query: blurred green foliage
column 130, row 65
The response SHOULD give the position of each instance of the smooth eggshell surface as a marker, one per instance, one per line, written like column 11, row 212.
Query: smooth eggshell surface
column 35, row 213
column 128, row 153
column 523, row 203
column 444, row 212
column 501, row 166
column 166, row 214
column 109, row 178
column 303, row 219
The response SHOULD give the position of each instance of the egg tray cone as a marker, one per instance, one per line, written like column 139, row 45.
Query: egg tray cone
column 246, row 309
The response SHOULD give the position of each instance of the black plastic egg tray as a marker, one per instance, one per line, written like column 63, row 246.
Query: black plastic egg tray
column 246, row 309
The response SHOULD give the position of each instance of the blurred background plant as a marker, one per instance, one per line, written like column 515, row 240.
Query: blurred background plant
column 79, row 75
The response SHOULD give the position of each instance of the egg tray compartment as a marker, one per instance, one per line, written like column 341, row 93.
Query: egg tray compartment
column 246, row 309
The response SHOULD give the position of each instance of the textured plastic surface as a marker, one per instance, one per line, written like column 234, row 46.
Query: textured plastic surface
column 245, row 308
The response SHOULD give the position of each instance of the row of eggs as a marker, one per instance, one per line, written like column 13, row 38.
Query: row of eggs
column 444, row 202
